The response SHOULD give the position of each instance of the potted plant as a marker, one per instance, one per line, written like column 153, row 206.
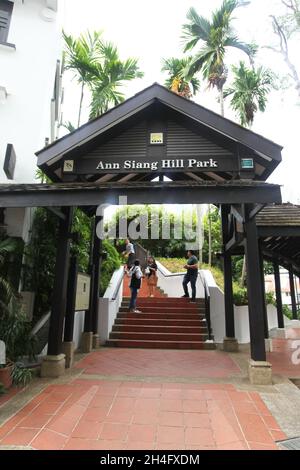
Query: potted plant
column 6, row 375
column 15, row 330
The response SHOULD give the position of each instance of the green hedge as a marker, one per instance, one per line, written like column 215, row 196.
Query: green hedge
column 108, row 266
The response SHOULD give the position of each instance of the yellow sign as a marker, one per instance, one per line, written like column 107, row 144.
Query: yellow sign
column 156, row 138
column 83, row 292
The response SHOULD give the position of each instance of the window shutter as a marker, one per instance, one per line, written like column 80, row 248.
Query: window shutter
column 6, row 8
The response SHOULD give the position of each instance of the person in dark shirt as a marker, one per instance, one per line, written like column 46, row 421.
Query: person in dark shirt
column 191, row 275
column 136, row 275
column 151, row 275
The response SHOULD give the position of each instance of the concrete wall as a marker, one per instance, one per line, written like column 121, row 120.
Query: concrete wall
column 78, row 328
column 241, row 314
column 172, row 283
column 108, row 308
column 28, row 74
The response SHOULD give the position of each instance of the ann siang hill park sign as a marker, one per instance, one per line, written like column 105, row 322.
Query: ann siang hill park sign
column 92, row 165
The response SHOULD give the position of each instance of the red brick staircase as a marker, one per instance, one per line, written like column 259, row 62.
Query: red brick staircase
column 165, row 323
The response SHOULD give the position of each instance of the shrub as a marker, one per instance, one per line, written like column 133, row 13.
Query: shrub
column 112, row 262
column 21, row 375
column 15, row 331
column 240, row 296
column 270, row 300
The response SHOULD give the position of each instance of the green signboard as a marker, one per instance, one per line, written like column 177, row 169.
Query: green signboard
column 247, row 163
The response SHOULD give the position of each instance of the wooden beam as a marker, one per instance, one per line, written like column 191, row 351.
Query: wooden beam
column 293, row 293
column 237, row 211
column 59, row 295
column 145, row 193
column 228, row 291
column 278, row 295
column 256, row 209
column 96, row 260
column 235, row 241
column 261, row 265
column 57, row 212
column 255, row 291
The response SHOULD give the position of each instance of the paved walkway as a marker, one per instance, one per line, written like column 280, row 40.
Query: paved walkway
column 151, row 399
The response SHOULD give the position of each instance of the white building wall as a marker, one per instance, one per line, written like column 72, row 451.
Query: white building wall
column 28, row 74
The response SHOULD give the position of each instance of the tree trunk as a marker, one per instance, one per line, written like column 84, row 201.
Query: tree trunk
column 200, row 232
column 243, row 276
column 80, row 104
column 209, row 236
column 294, row 73
column 222, row 101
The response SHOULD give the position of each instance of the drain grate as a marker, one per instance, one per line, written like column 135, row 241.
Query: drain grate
column 290, row 444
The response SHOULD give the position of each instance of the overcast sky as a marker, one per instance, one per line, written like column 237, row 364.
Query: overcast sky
column 150, row 30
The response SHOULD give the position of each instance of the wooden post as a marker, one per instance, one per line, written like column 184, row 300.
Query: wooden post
column 266, row 322
column 228, row 292
column 293, row 294
column 96, row 260
column 278, row 295
column 255, row 291
column 59, row 296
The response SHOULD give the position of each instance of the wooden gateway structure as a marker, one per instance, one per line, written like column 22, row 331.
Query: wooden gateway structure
column 156, row 133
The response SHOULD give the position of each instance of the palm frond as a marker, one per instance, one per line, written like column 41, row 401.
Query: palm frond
column 249, row 91
column 197, row 29
column 221, row 17
column 179, row 79
column 233, row 41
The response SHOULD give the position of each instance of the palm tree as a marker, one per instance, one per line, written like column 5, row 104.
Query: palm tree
column 110, row 75
column 249, row 91
column 177, row 81
column 216, row 36
column 81, row 58
column 97, row 65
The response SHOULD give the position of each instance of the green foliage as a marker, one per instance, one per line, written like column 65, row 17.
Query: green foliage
column 21, row 375
column 96, row 64
column 178, row 80
column 10, row 256
column 288, row 312
column 216, row 235
column 240, row 296
column 15, row 331
column 82, row 225
column 237, row 267
column 270, row 300
column 40, row 256
column 111, row 73
column 159, row 218
column 249, row 91
column 215, row 36
column 108, row 266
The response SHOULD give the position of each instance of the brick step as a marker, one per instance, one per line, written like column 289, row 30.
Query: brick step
column 186, row 337
column 164, row 300
column 160, row 329
column 164, row 315
column 151, row 309
column 151, row 344
column 164, row 306
column 136, row 320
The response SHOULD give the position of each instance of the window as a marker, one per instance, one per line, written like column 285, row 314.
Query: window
column 6, row 8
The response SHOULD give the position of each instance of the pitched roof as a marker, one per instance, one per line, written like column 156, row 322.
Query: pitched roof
column 269, row 150
column 283, row 215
